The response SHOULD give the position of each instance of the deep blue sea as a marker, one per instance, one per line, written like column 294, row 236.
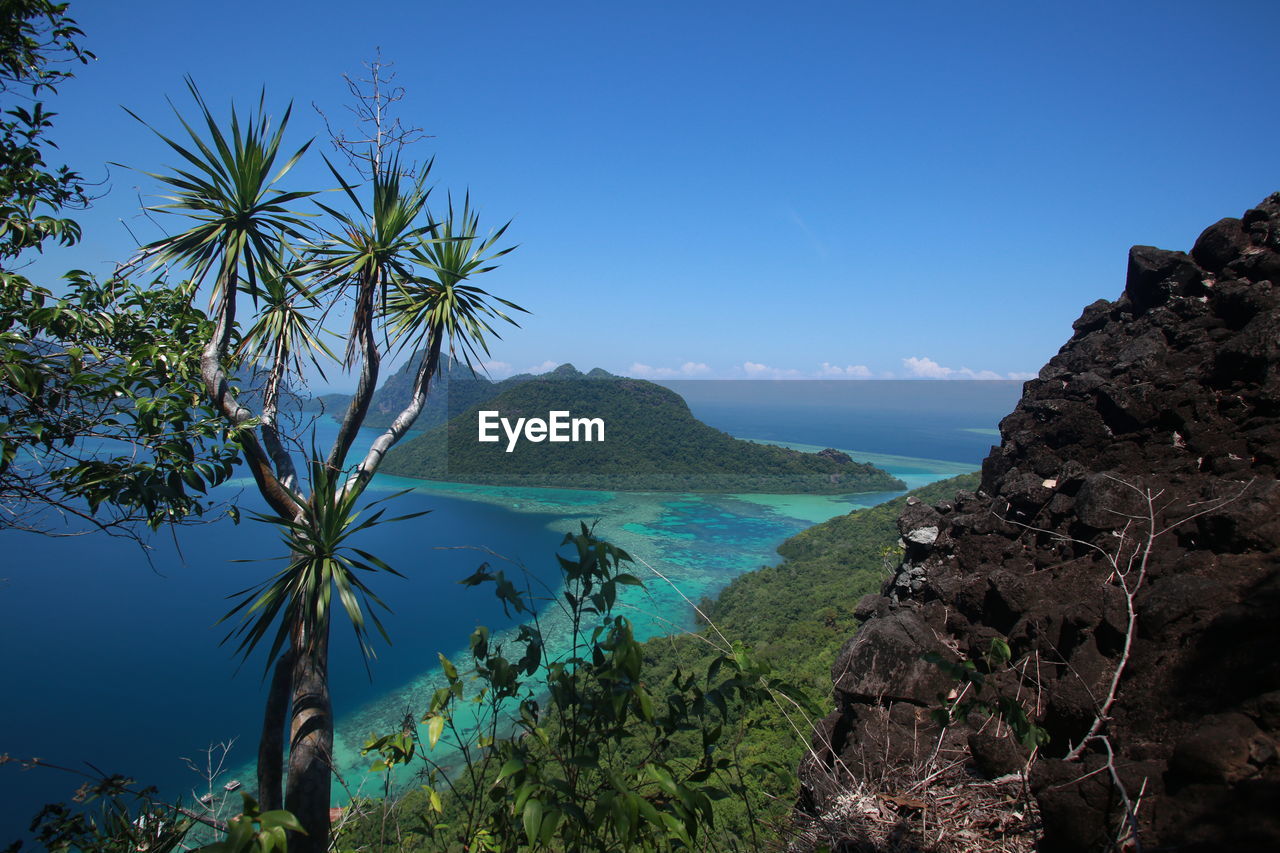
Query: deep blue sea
column 934, row 419
column 113, row 657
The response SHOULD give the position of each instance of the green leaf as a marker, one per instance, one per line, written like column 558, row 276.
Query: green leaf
column 512, row 765
column 435, row 727
column 532, row 820
column 663, row 777
column 550, row 822
column 999, row 653
column 646, row 704
column 283, row 819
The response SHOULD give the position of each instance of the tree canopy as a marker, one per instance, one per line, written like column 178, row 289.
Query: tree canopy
column 100, row 420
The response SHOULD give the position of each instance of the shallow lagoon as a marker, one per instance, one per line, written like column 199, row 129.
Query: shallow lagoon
column 699, row 542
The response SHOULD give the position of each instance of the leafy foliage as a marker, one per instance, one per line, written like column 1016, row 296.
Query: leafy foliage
column 368, row 250
column 976, row 695
column 669, row 744
column 228, row 189
column 110, row 814
column 256, row 831
column 111, row 817
column 321, row 560
column 574, row 752
column 283, row 329
column 793, row 617
column 442, row 301
column 96, row 414
column 99, row 412
column 403, row 277
column 123, row 401
column 37, row 38
column 796, row 616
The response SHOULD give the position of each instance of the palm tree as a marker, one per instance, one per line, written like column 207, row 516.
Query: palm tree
column 281, row 336
column 406, row 280
column 241, row 220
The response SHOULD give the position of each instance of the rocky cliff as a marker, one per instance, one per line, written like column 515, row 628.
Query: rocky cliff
column 1114, row 586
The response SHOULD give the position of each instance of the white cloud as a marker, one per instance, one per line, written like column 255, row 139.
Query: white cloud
column 689, row 368
column 924, row 367
column 496, row 369
column 853, row 371
column 1022, row 374
column 542, row 368
column 755, row 370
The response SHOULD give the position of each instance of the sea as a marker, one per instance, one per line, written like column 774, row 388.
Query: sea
column 114, row 658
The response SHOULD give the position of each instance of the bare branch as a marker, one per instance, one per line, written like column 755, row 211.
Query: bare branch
column 98, row 776
column 372, row 100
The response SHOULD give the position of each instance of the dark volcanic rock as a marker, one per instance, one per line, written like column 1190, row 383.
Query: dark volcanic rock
column 1220, row 244
column 1164, row 405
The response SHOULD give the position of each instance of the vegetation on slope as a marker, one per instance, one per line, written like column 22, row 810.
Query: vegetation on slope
column 787, row 621
column 794, row 617
column 652, row 442
column 802, row 608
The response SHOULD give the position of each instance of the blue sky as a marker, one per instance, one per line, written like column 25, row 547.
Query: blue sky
column 747, row 189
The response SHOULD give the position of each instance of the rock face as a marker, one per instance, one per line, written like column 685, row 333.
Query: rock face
column 1128, row 523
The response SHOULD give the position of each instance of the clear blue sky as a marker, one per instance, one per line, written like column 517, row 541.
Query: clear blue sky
column 749, row 188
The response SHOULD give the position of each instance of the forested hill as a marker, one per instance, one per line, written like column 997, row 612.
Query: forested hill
column 651, row 443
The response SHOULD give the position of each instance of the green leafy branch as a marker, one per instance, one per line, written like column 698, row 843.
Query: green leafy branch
column 968, row 699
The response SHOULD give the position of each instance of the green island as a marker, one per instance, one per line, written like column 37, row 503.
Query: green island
column 652, row 442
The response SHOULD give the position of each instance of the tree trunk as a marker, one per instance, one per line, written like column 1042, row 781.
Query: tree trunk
column 271, row 743
column 310, row 743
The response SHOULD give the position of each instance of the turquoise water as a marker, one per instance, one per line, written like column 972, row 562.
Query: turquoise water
column 114, row 658
column 699, row 542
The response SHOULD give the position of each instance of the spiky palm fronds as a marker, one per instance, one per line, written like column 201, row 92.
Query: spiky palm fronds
column 370, row 249
column 442, row 302
column 229, row 191
column 321, row 560
column 283, row 330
